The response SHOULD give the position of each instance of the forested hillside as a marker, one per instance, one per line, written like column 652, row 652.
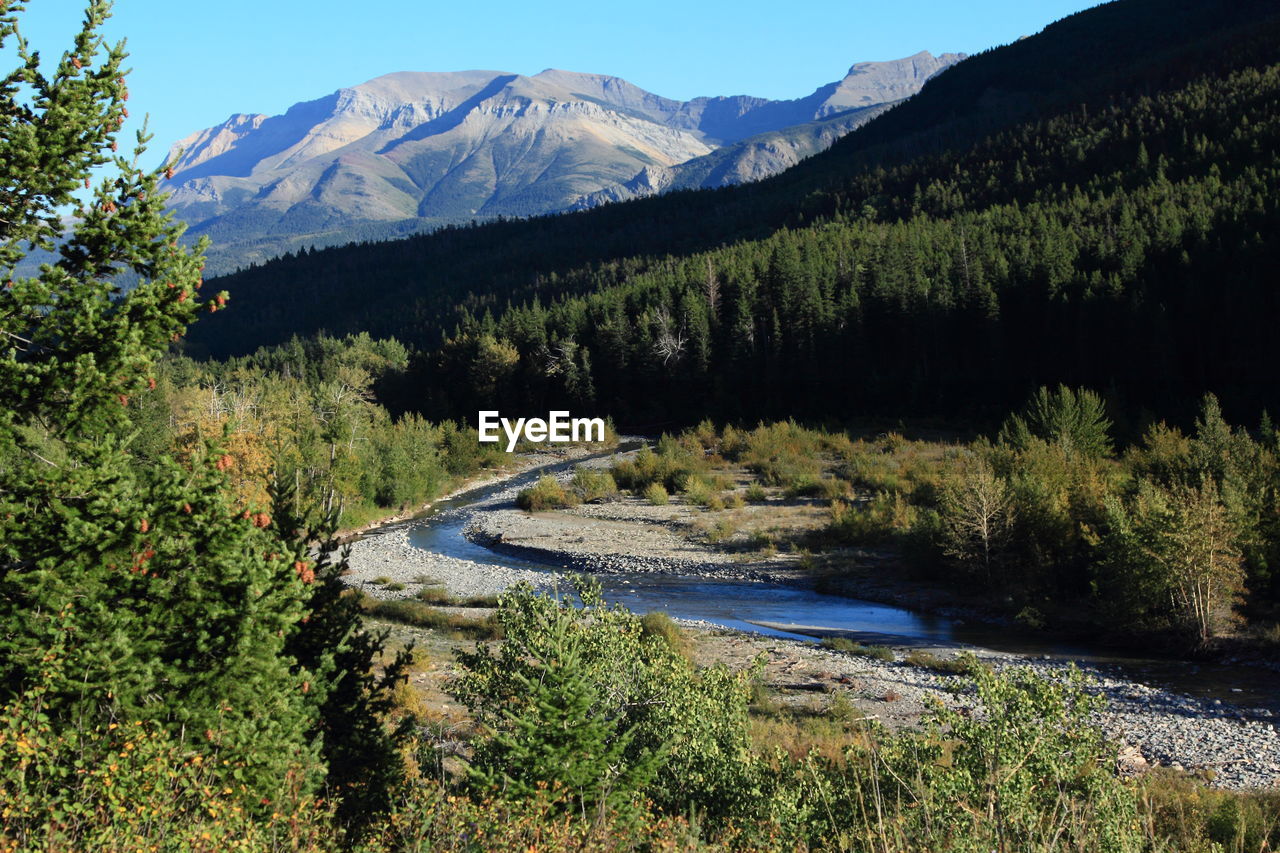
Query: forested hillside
column 1127, row 248
column 1022, row 221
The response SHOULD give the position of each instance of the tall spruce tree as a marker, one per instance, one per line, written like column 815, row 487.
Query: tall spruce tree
column 174, row 605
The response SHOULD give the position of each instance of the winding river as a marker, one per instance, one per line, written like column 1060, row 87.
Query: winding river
column 746, row 604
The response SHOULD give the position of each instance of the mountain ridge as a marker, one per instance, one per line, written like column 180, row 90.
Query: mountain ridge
column 414, row 150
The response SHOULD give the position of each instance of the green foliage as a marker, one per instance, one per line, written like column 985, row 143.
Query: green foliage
column 656, row 494
column 849, row 647
column 1171, row 558
column 1195, row 817
column 168, row 589
column 170, row 600
column 546, row 494
column 419, row 614
column 948, row 666
column 684, row 728
column 593, row 484
column 1074, row 419
column 562, row 735
column 352, row 680
column 1016, row 773
column 560, row 762
column 107, row 785
column 656, row 623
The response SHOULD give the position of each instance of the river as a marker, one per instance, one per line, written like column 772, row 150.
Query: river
column 745, row 604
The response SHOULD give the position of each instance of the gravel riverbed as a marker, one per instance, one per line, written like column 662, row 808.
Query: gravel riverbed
column 1237, row 747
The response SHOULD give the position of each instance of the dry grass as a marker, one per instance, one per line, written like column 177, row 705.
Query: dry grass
column 420, row 615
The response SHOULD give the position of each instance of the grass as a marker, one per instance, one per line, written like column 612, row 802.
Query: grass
column 441, row 598
column 849, row 647
column 433, row 595
column 407, row 611
column 1187, row 813
column 723, row 529
column 947, row 666
column 658, row 624
column 382, row 580
column 825, row 728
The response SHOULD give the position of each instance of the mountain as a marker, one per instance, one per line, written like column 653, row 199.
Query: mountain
column 1092, row 205
column 411, row 151
column 752, row 159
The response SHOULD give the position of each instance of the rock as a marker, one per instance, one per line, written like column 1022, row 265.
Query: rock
column 1131, row 762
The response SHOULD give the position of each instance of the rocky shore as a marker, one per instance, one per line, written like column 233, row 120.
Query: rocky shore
column 1233, row 746
column 388, row 566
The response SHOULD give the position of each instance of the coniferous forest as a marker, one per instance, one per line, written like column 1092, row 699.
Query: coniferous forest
column 1057, row 263
column 1038, row 232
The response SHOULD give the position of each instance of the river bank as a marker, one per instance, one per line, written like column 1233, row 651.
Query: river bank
column 1235, row 746
column 519, row 464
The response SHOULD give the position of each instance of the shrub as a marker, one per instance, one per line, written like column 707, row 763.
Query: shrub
column 948, row 666
column 111, row 786
column 827, row 488
column 670, row 465
column 433, row 595
column 655, row 494
column 658, row 624
column 723, row 529
column 1193, row 816
column 883, row 518
column 783, row 454
column 546, row 494
column 756, row 493
column 696, row 490
column 593, row 484
column 847, row 646
column 673, row 733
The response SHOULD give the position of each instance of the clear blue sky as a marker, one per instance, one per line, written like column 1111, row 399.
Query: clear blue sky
column 196, row 64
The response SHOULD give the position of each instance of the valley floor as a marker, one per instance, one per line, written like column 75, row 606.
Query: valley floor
column 1232, row 746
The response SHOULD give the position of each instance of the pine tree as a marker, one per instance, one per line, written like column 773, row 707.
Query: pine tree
column 181, row 606
column 560, row 736
column 363, row 758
